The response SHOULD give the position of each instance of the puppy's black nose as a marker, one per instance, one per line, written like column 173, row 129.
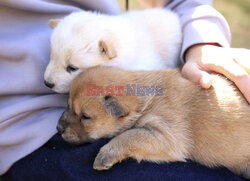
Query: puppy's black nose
column 50, row 85
column 60, row 129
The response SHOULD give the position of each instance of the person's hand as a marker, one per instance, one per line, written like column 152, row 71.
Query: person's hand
column 231, row 62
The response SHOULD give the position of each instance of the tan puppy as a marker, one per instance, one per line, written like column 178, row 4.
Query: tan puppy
column 158, row 116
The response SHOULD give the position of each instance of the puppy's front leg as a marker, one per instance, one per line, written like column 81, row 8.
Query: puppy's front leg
column 139, row 143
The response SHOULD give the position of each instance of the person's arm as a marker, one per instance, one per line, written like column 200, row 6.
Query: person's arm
column 28, row 110
column 201, row 24
column 206, row 45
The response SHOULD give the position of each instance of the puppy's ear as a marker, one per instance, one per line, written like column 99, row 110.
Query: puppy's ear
column 113, row 107
column 107, row 49
column 53, row 22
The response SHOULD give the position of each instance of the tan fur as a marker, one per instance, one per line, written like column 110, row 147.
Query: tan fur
column 211, row 126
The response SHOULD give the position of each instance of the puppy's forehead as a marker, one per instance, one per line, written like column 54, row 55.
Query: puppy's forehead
column 79, row 84
column 86, row 104
column 77, row 90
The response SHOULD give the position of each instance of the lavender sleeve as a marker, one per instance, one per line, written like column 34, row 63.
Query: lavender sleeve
column 201, row 23
column 29, row 111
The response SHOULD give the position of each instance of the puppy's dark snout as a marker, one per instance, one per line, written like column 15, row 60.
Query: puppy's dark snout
column 50, row 85
column 62, row 123
column 60, row 129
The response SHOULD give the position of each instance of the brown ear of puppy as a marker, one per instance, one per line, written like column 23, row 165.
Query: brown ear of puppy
column 114, row 108
column 107, row 48
column 53, row 22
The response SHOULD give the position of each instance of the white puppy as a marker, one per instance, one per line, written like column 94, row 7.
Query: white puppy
column 136, row 40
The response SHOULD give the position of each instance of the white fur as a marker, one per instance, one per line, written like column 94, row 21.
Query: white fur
column 143, row 40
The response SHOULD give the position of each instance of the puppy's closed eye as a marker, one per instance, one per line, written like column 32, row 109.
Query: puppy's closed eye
column 71, row 68
column 85, row 117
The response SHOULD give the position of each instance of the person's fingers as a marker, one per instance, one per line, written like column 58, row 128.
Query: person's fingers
column 192, row 72
column 236, row 74
column 242, row 57
column 234, row 64
column 206, row 80
column 243, row 83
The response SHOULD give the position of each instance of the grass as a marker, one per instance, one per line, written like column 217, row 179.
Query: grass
column 237, row 14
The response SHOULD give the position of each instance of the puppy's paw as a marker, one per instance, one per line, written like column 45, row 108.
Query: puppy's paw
column 105, row 159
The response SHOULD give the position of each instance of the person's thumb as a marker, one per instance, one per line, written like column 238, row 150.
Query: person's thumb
column 192, row 72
